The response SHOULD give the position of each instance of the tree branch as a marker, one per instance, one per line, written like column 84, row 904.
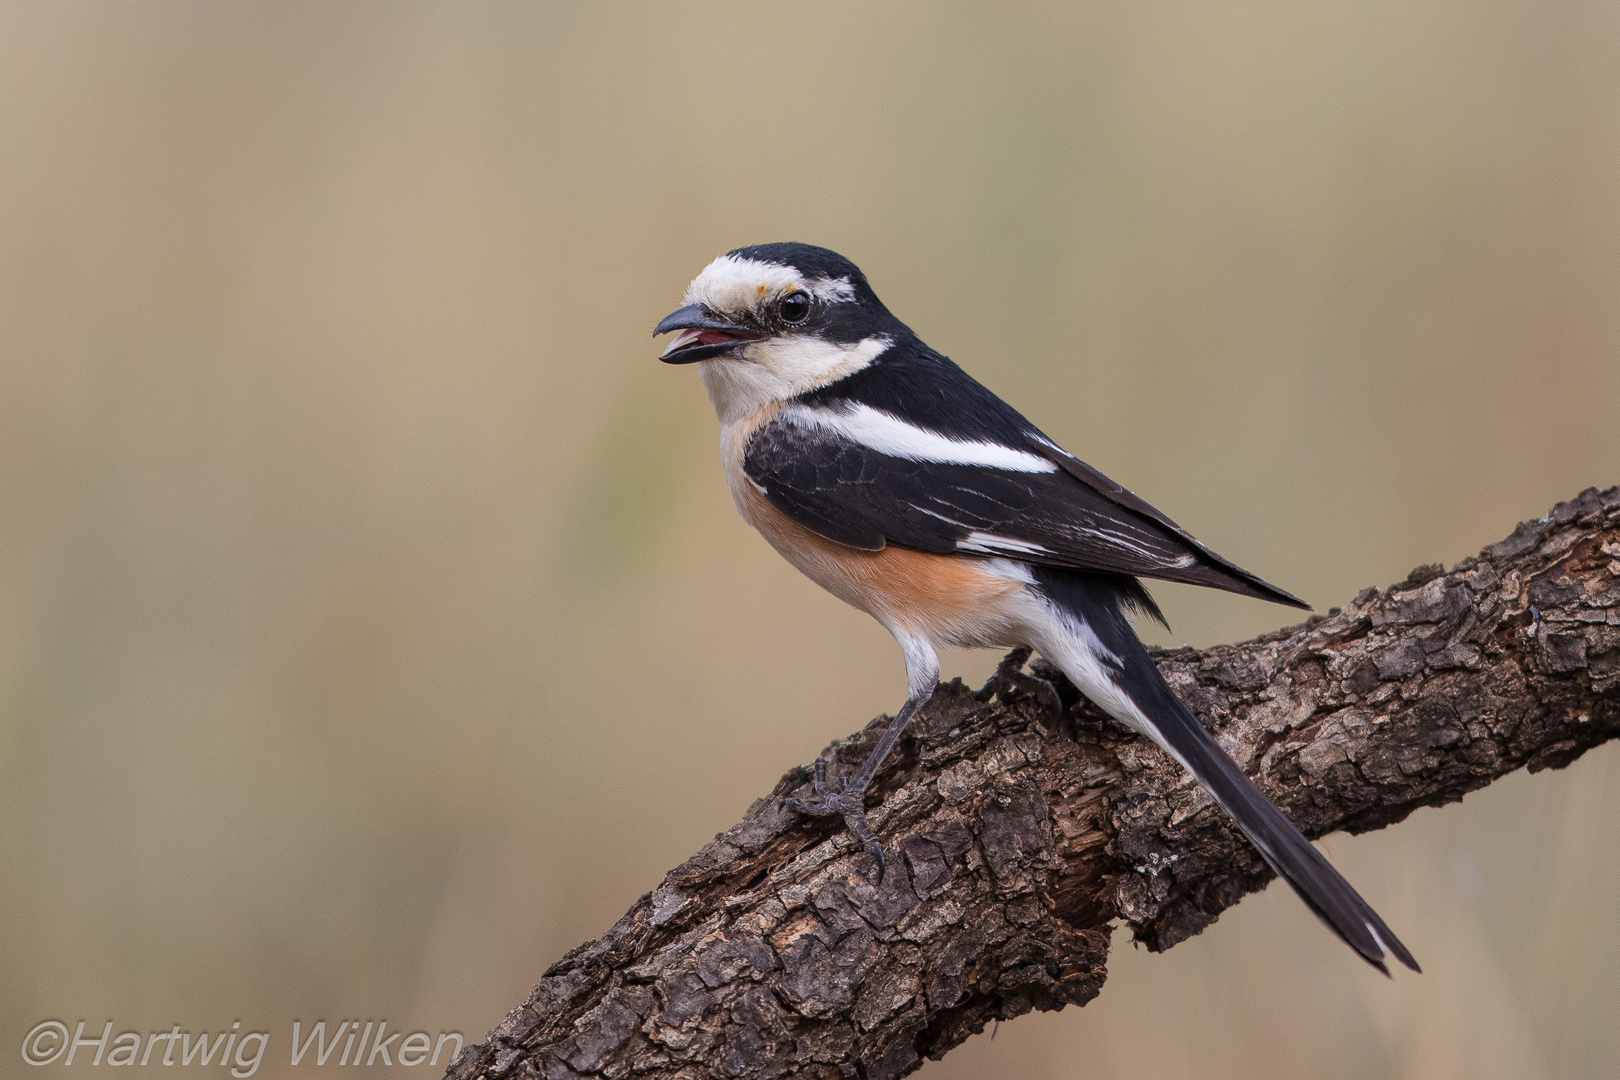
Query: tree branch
column 1016, row 835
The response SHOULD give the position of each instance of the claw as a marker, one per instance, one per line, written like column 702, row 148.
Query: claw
column 876, row 850
column 1054, row 701
column 849, row 798
column 851, row 807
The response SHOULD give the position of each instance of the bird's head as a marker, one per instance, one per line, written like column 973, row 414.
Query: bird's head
column 772, row 321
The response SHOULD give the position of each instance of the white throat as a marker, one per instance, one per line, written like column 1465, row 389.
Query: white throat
column 763, row 372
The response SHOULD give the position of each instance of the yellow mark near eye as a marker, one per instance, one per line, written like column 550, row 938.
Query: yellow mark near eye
column 762, row 290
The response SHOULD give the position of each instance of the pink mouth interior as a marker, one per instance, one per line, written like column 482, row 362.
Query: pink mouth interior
column 714, row 337
column 701, row 337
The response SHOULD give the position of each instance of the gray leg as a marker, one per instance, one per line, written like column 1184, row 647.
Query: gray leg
column 848, row 798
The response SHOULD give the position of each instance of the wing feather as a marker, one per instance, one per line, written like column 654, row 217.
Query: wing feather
column 1072, row 516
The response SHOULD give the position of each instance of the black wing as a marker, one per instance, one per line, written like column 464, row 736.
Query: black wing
column 1067, row 515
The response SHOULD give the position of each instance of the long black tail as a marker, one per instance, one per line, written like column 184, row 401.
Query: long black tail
column 1101, row 601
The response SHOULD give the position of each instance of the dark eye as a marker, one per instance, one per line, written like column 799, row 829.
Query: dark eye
column 795, row 307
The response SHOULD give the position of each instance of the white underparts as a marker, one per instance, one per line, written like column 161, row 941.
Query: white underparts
column 888, row 434
column 1073, row 646
column 922, row 662
column 1009, row 570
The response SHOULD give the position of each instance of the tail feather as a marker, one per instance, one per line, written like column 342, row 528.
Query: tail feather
column 1279, row 842
column 1157, row 712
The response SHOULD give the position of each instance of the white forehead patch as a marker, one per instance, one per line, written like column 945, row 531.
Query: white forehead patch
column 735, row 284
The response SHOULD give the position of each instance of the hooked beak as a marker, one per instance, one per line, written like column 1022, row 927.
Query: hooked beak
column 701, row 336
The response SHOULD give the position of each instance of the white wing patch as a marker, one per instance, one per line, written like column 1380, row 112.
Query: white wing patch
column 733, row 284
column 888, row 434
column 940, row 517
column 983, row 543
column 989, row 544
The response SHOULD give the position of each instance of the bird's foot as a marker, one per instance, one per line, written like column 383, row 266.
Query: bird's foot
column 848, row 803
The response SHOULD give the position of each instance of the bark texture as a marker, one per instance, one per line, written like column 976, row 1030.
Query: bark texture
column 1017, row 835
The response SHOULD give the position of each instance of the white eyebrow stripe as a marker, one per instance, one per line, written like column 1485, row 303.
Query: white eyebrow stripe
column 888, row 434
column 831, row 290
column 735, row 284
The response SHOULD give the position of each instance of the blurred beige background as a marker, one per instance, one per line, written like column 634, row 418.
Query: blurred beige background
column 374, row 622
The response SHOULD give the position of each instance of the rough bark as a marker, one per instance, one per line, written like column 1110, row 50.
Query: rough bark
column 1017, row 836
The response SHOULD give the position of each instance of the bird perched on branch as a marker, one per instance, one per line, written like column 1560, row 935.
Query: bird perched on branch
column 895, row 481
